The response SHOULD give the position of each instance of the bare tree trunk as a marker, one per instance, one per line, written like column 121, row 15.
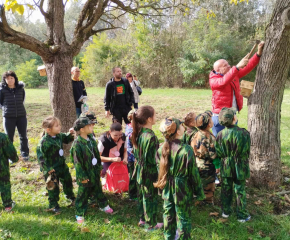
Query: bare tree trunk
column 264, row 105
column 60, row 89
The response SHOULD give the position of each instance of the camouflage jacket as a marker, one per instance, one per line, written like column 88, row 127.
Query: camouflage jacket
column 203, row 144
column 82, row 153
column 48, row 151
column 189, row 134
column 7, row 151
column 233, row 147
column 146, row 168
column 183, row 178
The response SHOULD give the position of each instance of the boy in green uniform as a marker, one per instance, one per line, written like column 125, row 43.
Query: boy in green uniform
column 233, row 147
column 7, row 152
column 86, row 158
column 179, row 179
column 52, row 162
column 203, row 144
column 191, row 130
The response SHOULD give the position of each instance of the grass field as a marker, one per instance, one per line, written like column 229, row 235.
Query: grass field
column 30, row 220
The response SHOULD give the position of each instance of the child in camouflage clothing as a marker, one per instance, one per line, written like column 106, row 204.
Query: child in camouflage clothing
column 145, row 146
column 92, row 116
column 7, row 152
column 191, row 130
column 52, row 162
column 233, row 147
column 204, row 150
column 179, row 179
column 86, row 158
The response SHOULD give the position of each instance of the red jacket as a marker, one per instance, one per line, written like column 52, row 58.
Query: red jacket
column 222, row 86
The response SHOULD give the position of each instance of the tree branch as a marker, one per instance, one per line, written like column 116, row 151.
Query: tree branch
column 40, row 6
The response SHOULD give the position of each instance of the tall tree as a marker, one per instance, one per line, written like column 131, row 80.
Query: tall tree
column 57, row 53
column 264, row 105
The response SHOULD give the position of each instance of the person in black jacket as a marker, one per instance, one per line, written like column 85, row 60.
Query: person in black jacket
column 79, row 89
column 119, row 97
column 12, row 97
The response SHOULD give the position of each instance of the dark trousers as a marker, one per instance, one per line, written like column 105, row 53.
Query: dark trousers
column 79, row 112
column 133, row 182
column 136, row 105
column 21, row 124
column 121, row 113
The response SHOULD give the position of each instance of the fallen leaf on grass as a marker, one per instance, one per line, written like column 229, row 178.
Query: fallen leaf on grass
column 222, row 220
column 287, row 198
column 250, row 230
column 45, row 233
column 214, row 214
column 248, row 196
column 258, row 202
column 114, row 213
column 262, row 234
column 288, row 153
column 107, row 221
column 103, row 234
column 128, row 216
column 58, row 213
column 85, row 229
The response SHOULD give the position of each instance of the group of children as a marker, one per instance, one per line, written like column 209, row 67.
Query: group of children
column 182, row 168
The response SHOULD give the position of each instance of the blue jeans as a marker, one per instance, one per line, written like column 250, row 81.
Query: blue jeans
column 216, row 125
column 79, row 112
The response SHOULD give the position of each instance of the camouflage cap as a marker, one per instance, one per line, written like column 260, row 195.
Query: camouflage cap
column 226, row 116
column 90, row 115
column 209, row 113
column 130, row 114
column 168, row 127
column 81, row 123
column 202, row 120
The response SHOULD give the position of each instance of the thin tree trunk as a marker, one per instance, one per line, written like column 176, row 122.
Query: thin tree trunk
column 60, row 89
column 264, row 105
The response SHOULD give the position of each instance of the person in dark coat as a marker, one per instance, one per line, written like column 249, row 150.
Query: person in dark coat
column 119, row 97
column 12, row 96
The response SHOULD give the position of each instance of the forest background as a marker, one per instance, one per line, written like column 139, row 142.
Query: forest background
column 173, row 51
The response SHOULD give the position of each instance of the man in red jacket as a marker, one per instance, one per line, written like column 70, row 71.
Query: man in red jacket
column 225, row 85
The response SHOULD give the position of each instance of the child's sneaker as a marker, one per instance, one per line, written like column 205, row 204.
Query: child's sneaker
column 245, row 220
column 225, row 215
column 141, row 223
column 9, row 209
column 80, row 219
column 56, row 209
column 158, row 226
column 176, row 235
column 107, row 209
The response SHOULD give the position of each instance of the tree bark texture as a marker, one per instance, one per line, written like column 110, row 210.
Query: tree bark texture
column 264, row 105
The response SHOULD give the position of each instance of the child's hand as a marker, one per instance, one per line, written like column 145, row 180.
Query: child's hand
column 71, row 131
column 125, row 161
column 51, row 171
column 218, row 170
column 85, row 181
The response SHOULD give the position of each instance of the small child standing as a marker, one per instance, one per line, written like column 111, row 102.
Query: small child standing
column 191, row 130
column 7, row 152
column 86, row 158
column 52, row 162
column 203, row 146
column 131, row 158
column 233, row 147
column 178, row 178
column 145, row 145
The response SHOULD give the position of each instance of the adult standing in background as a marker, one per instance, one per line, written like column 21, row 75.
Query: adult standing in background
column 119, row 97
column 224, row 81
column 79, row 89
column 134, row 83
column 12, row 96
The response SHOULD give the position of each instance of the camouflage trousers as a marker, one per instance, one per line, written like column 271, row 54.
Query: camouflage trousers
column 87, row 191
column 133, row 181
column 5, row 190
column 148, row 201
column 208, row 182
column 63, row 176
column 227, row 196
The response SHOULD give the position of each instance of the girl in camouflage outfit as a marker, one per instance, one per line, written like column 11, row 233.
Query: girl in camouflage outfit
column 178, row 178
column 145, row 146
column 52, row 162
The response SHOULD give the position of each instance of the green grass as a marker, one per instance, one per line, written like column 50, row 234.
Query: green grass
column 30, row 220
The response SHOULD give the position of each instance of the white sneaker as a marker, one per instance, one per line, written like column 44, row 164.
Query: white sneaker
column 225, row 215
column 245, row 220
column 103, row 181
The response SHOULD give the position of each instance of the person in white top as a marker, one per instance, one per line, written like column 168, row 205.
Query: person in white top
column 134, row 83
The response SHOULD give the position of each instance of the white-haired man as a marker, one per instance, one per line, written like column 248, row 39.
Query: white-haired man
column 79, row 89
